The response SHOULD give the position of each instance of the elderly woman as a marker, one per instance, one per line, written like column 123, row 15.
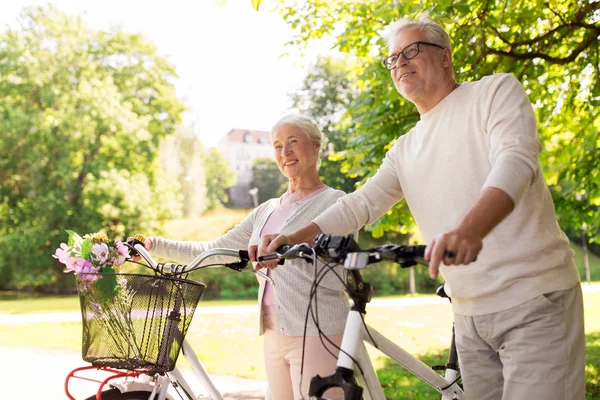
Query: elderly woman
column 296, row 141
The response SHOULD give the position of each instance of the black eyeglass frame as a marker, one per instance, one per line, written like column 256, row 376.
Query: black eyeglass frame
column 392, row 65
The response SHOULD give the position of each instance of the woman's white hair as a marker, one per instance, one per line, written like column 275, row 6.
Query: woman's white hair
column 306, row 124
column 433, row 31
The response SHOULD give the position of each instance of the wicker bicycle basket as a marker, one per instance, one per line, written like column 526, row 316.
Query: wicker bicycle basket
column 135, row 322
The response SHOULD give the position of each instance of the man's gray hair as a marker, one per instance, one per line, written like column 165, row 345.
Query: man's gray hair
column 433, row 31
column 307, row 125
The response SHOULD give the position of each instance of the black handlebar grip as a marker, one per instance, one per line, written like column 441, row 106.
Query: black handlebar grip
column 267, row 257
column 244, row 255
column 451, row 254
column 420, row 251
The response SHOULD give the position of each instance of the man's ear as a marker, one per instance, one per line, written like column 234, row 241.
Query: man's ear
column 447, row 60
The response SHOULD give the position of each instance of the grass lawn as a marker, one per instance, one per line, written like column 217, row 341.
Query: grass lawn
column 228, row 343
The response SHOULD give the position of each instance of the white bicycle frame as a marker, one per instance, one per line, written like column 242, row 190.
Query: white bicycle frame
column 158, row 390
column 353, row 348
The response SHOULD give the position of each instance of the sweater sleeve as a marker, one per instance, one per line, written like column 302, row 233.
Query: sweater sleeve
column 185, row 252
column 512, row 132
column 365, row 205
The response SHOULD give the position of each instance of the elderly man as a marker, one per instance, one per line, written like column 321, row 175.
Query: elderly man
column 471, row 175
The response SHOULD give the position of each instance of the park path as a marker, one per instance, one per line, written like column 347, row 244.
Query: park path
column 40, row 374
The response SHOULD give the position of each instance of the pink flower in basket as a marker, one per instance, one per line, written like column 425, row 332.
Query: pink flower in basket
column 91, row 254
column 80, row 266
column 62, row 253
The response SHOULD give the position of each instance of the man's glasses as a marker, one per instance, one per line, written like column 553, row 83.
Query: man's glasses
column 409, row 52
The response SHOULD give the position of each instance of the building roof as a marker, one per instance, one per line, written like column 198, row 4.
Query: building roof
column 247, row 136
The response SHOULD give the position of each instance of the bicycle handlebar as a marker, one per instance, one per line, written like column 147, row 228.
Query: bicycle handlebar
column 136, row 247
column 344, row 250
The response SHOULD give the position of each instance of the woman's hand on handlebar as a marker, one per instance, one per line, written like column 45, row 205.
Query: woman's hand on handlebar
column 147, row 245
column 267, row 242
column 253, row 255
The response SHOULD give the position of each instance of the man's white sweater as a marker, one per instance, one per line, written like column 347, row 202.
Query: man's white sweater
column 483, row 134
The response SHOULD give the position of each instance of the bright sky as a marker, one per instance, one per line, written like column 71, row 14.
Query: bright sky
column 228, row 56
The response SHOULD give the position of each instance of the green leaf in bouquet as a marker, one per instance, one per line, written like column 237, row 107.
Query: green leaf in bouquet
column 107, row 269
column 107, row 284
column 74, row 239
column 86, row 248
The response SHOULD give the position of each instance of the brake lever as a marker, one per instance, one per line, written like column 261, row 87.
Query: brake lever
column 237, row 266
column 264, row 276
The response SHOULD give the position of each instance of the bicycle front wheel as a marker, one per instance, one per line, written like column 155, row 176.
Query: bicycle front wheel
column 115, row 394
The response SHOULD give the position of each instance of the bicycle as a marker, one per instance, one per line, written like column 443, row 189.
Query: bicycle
column 150, row 329
column 344, row 250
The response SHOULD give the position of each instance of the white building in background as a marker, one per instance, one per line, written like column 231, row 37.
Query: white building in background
column 241, row 147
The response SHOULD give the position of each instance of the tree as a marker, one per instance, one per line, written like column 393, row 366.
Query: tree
column 181, row 156
column 219, row 177
column 324, row 95
column 82, row 115
column 551, row 47
column 268, row 179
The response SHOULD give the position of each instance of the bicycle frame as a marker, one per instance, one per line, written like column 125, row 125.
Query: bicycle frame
column 352, row 350
column 178, row 381
column 353, row 346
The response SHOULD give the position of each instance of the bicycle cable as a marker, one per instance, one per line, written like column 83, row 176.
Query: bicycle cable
column 450, row 385
column 327, row 267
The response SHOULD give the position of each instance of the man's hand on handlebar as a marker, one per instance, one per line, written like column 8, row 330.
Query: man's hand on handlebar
column 456, row 247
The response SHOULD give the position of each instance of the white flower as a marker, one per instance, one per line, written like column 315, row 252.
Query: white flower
column 100, row 252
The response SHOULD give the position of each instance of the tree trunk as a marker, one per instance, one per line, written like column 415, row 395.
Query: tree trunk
column 586, row 259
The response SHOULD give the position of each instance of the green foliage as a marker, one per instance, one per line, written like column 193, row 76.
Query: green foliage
column 268, row 179
column 226, row 284
column 181, row 156
column 82, row 115
column 324, row 94
column 551, row 47
column 592, row 361
column 219, row 176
